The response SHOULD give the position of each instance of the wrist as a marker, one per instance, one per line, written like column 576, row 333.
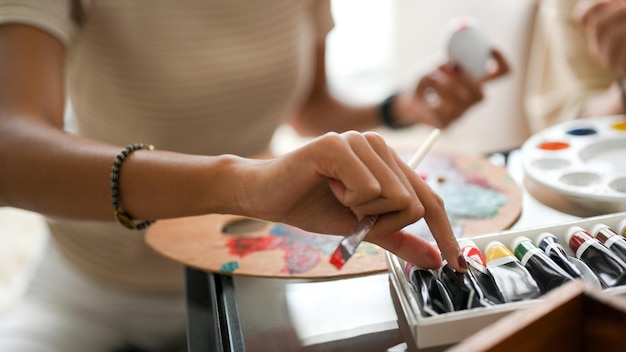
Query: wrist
column 387, row 114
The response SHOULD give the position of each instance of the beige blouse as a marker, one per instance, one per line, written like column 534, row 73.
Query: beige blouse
column 193, row 76
column 561, row 73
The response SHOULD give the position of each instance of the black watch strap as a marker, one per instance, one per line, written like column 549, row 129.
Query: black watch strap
column 386, row 115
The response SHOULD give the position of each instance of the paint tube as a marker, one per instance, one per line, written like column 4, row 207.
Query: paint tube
column 553, row 248
column 512, row 279
column 546, row 272
column 609, row 268
column 462, row 294
column 464, row 288
column 610, row 239
column 479, row 275
column 432, row 296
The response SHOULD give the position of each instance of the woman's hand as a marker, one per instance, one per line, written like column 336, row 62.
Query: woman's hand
column 445, row 94
column 604, row 23
column 327, row 184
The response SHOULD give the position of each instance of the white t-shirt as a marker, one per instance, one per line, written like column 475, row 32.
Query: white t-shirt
column 194, row 76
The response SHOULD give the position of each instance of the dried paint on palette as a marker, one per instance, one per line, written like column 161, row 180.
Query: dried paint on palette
column 302, row 250
column 467, row 195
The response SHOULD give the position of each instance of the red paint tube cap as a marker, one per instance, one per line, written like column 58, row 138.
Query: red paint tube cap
column 576, row 236
column 470, row 249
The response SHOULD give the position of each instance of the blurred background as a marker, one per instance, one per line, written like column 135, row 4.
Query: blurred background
column 376, row 47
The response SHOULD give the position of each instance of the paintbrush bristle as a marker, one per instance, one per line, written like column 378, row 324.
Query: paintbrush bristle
column 338, row 259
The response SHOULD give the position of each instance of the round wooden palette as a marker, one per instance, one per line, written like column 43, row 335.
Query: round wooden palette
column 480, row 197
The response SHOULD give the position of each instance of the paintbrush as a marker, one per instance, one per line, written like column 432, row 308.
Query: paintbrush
column 347, row 247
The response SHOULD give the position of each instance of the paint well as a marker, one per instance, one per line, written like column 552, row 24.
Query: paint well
column 582, row 132
column 580, row 179
column 553, row 145
column 620, row 126
column 618, row 185
column 551, row 164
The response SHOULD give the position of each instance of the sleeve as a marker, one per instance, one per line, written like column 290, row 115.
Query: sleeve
column 562, row 75
column 51, row 16
column 324, row 21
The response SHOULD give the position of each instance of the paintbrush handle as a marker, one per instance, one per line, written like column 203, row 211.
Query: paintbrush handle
column 349, row 244
column 424, row 148
column 361, row 229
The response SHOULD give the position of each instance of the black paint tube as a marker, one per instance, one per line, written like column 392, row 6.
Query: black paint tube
column 543, row 269
column 610, row 239
column 553, row 248
column 431, row 294
column 610, row 269
column 464, row 289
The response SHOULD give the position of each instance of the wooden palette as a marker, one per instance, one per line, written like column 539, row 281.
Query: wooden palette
column 483, row 198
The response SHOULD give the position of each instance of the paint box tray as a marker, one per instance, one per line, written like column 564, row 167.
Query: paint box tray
column 426, row 333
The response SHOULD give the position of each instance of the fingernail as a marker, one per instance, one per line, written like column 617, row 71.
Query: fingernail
column 462, row 262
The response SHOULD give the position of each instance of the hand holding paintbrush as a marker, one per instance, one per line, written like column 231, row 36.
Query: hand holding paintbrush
column 347, row 247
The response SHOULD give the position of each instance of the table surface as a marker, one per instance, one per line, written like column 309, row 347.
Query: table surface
column 355, row 314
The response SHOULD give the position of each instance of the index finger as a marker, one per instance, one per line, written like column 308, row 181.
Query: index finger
column 437, row 220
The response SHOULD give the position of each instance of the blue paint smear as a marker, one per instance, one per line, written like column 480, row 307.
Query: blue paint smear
column 229, row 267
column 582, row 132
column 471, row 201
column 325, row 244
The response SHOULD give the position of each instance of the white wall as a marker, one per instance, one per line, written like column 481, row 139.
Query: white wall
column 419, row 30
column 379, row 45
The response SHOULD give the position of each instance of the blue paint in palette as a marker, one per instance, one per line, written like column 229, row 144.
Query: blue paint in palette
column 582, row 131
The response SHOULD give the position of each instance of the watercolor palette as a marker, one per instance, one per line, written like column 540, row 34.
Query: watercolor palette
column 585, row 160
column 429, row 331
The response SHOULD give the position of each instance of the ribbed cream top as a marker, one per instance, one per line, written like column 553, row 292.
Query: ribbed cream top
column 194, row 76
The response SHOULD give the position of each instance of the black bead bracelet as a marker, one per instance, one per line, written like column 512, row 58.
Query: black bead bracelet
column 124, row 218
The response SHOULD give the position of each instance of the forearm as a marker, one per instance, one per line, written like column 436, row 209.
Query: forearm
column 609, row 102
column 61, row 175
column 326, row 114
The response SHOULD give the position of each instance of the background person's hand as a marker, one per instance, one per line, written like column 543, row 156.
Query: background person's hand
column 604, row 23
column 335, row 179
column 445, row 94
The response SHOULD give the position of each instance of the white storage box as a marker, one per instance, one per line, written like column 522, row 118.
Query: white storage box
column 436, row 332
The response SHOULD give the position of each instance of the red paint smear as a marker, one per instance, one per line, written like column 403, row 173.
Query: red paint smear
column 245, row 246
column 578, row 238
column 337, row 259
column 553, row 145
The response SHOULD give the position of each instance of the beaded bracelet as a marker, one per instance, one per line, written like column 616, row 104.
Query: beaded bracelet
column 123, row 218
